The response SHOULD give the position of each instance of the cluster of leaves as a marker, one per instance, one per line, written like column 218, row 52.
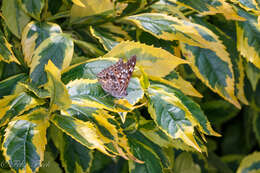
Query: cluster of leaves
column 193, row 56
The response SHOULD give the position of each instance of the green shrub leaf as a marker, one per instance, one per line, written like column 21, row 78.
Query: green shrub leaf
column 250, row 163
column 14, row 16
column 34, row 34
column 25, row 140
column 14, row 105
column 177, row 115
column 33, row 7
column 59, row 94
column 148, row 57
column 57, row 48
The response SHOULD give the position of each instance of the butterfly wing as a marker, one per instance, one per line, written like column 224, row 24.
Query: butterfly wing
column 126, row 75
column 115, row 79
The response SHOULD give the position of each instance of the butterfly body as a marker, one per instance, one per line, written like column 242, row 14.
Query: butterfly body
column 115, row 78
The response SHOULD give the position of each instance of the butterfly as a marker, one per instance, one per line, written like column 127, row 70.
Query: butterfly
column 115, row 78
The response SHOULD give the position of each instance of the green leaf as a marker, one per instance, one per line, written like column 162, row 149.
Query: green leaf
column 58, row 48
column 29, row 87
column 248, row 5
column 109, row 35
column 108, row 129
column 248, row 36
column 49, row 164
column 256, row 125
column 33, row 7
column 150, row 130
column 83, row 132
column 205, row 7
column 14, row 105
column 219, row 111
column 8, row 85
column 185, row 164
column 59, row 94
column 144, row 149
column 177, row 115
column 253, row 74
column 93, row 12
column 6, row 53
column 34, row 34
column 87, row 90
column 148, row 57
column 25, row 140
column 250, row 163
column 74, row 156
column 171, row 28
column 14, row 16
column 214, row 70
column 236, row 60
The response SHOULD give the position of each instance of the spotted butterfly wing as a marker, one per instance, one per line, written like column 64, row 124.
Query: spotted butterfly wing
column 115, row 78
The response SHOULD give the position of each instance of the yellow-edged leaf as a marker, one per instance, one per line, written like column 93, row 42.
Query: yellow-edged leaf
column 148, row 57
column 58, row 91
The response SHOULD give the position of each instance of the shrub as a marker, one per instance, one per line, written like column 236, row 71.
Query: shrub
column 198, row 66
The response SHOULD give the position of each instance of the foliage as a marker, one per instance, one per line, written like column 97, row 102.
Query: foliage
column 198, row 67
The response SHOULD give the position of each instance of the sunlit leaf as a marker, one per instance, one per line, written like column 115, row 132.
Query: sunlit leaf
column 34, row 34
column 8, row 85
column 58, row 48
column 25, row 140
column 6, row 53
column 109, row 35
column 14, row 105
column 83, row 132
column 14, row 16
column 205, row 7
column 177, row 115
column 57, row 90
column 108, row 129
column 148, row 57
column 248, row 37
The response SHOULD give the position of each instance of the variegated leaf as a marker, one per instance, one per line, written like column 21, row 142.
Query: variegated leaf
column 8, row 85
column 83, row 132
column 213, row 69
column 249, row 5
column 108, row 129
column 34, row 34
column 148, row 57
column 14, row 16
column 6, row 53
column 32, row 7
column 179, row 83
column 74, row 156
column 92, row 12
column 155, row 160
column 248, row 37
column 58, row 48
column 59, row 94
column 25, row 140
column 109, row 35
column 88, row 92
column 14, row 105
column 205, row 7
column 250, row 163
column 177, row 115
